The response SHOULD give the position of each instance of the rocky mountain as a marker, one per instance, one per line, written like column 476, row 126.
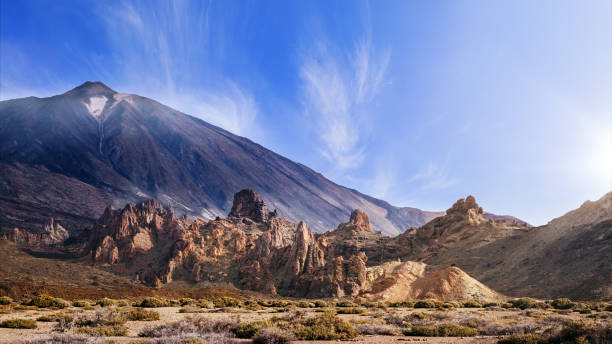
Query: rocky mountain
column 68, row 156
column 570, row 256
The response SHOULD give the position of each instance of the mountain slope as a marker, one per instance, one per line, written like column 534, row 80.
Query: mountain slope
column 70, row 155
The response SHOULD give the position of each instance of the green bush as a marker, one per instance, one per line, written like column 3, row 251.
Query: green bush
column 5, row 300
column 521, row 339
column 150, row 302
column 106, row 302
column 429, row 303
column 273, row 335
column 250, row 329
column 451, row 304
column 608, row 307
column 123, row 303
column 103, row 331
column 579, row 332
column 524, row 303
column 346, row 304
column 562, row 303
column 491, row 304
column 19, row 323
column 320, row 303
column 140, row 314
column 403, row 304
column 80, row 303
column 227, row 301
column 55, row 317
column 303, row 304
column 46, row 301
column 326, row 326
column 187, row 301
column 424, row 331
column 444, row 330
column 352, row 310
column 203, row 303
column 472, row 304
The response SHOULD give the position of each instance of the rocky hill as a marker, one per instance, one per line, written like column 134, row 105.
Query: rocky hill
column 254, row 249
column 68, row 156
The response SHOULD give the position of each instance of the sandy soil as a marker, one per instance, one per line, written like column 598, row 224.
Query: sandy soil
column 171, row 314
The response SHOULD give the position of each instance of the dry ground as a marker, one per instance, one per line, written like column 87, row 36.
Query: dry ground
column 494, row 321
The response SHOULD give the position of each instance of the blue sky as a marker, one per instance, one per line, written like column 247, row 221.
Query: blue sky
column 418, row 103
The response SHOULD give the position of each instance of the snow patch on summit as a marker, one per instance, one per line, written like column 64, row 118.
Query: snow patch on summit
column 96, row 105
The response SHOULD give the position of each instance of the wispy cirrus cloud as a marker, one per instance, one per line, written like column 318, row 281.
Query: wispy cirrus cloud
column 164, row 52
column 337, row 87
column 432, row 177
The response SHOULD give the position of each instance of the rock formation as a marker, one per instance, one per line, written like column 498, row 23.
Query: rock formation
column 251, row 249
column 53, row 234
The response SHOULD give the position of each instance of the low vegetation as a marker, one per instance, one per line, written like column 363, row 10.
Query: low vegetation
column 46, row 301
column 18, row 323
column 5, row 300
column 443, row 330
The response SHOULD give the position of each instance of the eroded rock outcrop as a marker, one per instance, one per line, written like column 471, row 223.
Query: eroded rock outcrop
column 53, row 234
column 252, row 249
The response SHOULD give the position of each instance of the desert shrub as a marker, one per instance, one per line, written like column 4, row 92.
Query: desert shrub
column 19, row 323
column 106, row 317
column 273, row 335
column 187, row 301
column 443, row 330
column 103, row 331
column 429, row 303
column 376, row 329
column 524, row 303
column 227, row 301
column 68, row 339
column 190, row 325
column 123, row 303
column 106, row 302
column 326, row 326
column 250, row 329
column 491, row 304
column 579, row 332
column 150, row 302
column 352, row 310
column 346, row 304
column 140, row 314
column 451, row 304
column 46, row 301
column 24, row 308
column 472, row 304
column 80, row 303
column 205, row 303
column 55, row 317
column 303, row 304
column 521, row 339
column 319, row 303
column 404, row 304
column 190, row 309
column 5, row 300
column 562, row 303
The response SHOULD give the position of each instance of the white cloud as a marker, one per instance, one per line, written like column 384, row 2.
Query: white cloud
column 164, row 55
column 233, row 110
column 336, row 91
column 432, row 177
